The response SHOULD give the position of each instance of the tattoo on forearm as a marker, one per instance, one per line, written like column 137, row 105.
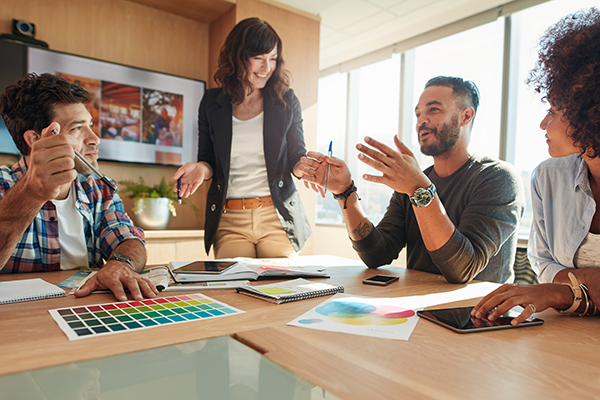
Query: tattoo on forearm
column 362, row 230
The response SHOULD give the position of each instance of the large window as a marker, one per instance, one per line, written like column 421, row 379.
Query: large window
column 530, row 146
column 369, row 95
column 331, row 127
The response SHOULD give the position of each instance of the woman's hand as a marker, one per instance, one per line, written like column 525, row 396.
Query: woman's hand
column 314, row 173
column 192, row 175
column 533, row 298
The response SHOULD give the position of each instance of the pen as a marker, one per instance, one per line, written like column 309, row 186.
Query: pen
column 81, row 158
column 179, row 190
column 329, row 153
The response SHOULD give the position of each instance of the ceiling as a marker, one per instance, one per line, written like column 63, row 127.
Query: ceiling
column 351, row 28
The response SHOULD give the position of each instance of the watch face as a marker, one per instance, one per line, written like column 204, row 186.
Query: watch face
column 423, row 197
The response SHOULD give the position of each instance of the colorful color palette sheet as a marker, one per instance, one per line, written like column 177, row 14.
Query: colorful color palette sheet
column 106, row 319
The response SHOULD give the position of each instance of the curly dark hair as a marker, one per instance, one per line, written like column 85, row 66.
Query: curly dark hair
column 567, row 73
column 250, row 37
column 30, row 104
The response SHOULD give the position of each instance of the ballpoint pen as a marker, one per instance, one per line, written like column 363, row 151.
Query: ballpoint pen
column 81, row 158
column 179, row 190
column 329, row 153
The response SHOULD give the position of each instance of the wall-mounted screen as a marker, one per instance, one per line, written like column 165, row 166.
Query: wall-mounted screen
column 140, row 116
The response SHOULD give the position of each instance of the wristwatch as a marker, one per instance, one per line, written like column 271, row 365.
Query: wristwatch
column 121, row 258
column 423, row 196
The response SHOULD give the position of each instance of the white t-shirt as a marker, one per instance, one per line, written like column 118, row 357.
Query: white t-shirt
column 588, row 254
column 247, row 169
column 73, row 248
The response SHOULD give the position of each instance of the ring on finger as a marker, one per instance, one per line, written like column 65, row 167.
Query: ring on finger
column 532, row 307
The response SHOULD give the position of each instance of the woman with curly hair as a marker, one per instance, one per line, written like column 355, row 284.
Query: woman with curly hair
column 564, row 245
column 250, row 143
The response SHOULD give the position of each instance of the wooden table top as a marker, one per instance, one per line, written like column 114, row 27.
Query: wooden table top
column 558, row 359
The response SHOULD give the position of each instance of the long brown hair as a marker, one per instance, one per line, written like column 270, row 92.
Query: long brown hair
column 250, row 37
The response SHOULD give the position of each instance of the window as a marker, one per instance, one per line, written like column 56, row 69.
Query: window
column 530, row 144
column 331, row 126
column 372, row 98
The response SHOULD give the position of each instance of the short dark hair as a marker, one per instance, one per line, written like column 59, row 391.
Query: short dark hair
column 567, row 72
column 250, row 37
column 30, row 104
column 466, row 92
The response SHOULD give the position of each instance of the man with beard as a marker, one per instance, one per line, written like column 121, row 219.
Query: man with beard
column 53, row 214
column 457, row 218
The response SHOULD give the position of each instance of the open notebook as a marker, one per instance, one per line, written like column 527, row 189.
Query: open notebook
column 28, row 289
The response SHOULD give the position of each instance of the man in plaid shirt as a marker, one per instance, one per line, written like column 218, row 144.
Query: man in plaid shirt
column 53, row 214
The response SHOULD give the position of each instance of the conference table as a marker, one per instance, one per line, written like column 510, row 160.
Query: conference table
column 559, row 359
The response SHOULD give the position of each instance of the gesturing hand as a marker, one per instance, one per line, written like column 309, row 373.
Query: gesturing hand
column 400, row 169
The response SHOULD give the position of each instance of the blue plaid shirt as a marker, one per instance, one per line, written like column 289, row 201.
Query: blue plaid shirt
column 105, row 223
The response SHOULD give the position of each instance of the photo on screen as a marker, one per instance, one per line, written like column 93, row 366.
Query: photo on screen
column 141, row 116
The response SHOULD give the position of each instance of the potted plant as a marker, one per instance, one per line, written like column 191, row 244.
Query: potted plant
column 152, row 205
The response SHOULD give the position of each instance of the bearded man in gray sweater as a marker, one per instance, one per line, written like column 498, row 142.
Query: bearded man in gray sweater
column 458, row 218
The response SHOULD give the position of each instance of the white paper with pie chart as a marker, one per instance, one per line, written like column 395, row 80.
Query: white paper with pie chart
column 358, row 315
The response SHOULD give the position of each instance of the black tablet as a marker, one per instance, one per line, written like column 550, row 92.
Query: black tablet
column 460, row 320
column 205, row 267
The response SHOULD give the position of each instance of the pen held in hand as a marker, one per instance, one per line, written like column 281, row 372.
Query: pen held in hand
column 89, row 166
column 179, row 190
column 329, row 153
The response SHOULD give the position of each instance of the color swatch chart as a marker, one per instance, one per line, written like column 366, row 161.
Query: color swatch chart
column 106, row 319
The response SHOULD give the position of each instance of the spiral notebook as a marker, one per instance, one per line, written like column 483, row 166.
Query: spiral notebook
column 28, row 289
column 283, row 292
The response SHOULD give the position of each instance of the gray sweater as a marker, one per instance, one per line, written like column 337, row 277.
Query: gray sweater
column 484, row 199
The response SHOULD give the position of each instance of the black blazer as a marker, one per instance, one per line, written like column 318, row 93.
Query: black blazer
column 283, row 141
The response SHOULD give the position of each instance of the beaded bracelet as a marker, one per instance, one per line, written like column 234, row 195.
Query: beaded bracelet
column 344, row 196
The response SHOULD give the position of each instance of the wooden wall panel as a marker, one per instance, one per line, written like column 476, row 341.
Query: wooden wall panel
column 117, row 31
column 218, row 33
column 300, row 36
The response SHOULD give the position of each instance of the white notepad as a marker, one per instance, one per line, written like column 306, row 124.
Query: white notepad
column 28, row 289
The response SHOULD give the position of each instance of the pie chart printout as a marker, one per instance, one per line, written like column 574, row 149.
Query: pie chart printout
column 358, row 313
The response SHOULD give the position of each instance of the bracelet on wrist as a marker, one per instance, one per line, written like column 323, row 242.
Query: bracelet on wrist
column 344, row 196
column 580, row 294
column 577, row 295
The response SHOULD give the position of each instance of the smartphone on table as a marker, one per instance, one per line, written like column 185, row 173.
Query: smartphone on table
column 380, row 280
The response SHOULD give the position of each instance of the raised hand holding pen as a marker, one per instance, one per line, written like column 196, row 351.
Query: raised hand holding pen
column 314, row 173
column 50, row 162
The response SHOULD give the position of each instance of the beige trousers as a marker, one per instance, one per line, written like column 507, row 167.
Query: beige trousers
column 255, row 233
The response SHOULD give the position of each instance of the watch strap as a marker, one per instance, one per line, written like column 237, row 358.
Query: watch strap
column 122, row 258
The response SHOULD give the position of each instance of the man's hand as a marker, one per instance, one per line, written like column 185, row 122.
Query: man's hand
column 314, row 170
column 400, row 168
column 117, row 277
column 50, row 164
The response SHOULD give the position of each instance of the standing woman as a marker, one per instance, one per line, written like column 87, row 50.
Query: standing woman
column 564, row 245
column 250, row 144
